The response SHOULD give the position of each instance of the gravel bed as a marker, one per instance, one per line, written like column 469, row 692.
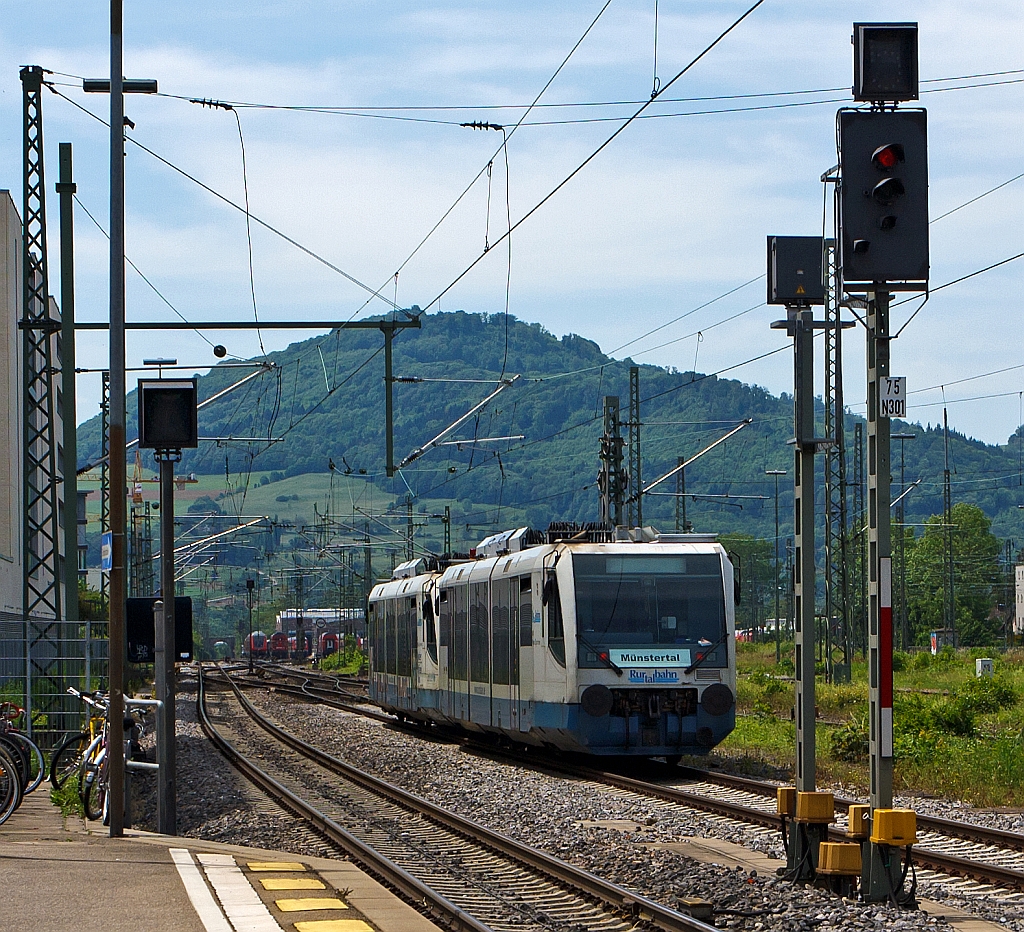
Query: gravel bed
column 553, row 813
column 214, row 801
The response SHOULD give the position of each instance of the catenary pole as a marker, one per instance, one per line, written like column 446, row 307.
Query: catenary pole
column 118, row 472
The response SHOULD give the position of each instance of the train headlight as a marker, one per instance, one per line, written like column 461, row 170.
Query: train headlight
column 717, row 699
column 597, row 700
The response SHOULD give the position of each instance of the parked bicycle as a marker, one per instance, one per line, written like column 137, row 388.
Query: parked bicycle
column 10, row 786
column 22, row 749
column 93, row 759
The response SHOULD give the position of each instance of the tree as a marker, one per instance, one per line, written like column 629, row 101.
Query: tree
column 975, row 572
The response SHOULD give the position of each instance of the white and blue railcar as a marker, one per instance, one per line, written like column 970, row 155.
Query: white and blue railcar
column 619, row 648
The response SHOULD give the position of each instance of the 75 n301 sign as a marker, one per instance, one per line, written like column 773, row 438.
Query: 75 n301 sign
column 892, row 396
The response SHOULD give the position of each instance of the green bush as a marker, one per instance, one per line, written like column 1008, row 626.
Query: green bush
column 849, row 742
column 900, row 661
column 984, row 695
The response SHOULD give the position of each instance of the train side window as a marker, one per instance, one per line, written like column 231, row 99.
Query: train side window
column 479, row 634
column 500, row 660
column 391, row 635
column 556, row 630
column 403, row 663
column 431, row 631
column 513, row 631
column 460, row 668
column 525, row 612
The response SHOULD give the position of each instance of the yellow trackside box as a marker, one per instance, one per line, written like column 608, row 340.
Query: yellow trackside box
column 839, row 858
column 895, row 827
column 860, row 821
column 815, row 807
column 785, row 800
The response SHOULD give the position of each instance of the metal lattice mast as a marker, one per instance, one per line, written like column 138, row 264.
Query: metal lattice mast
column 42, row 576
column 611, row 481
column 105, row 475
column 635, row 508
column 836, row 587
column 948, row 595
column 42, row 570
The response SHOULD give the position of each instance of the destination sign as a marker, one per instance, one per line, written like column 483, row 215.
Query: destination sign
column 666, row 657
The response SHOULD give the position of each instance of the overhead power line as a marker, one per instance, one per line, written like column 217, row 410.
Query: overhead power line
column 263, row 223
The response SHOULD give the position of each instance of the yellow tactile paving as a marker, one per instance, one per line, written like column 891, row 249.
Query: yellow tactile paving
column 310, row 902
column 276, row 866
column 291, row 883
column 333, row 925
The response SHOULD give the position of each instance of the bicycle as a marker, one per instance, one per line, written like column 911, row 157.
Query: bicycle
column 33, row 768
column 66, row 760
column 92, row 771
column 10, row 786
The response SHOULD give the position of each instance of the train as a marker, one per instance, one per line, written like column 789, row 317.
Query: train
column 329, row 642
column 256, row 644
column 611, row 643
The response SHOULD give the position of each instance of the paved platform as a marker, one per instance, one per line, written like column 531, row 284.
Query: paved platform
column 59, row 876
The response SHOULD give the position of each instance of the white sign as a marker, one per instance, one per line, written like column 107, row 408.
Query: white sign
column 892, row 396
column 675, row 656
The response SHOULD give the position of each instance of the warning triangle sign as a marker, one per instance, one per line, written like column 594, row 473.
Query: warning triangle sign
column 800, row 289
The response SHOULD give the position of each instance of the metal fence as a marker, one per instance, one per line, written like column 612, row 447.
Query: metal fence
column 39, row 660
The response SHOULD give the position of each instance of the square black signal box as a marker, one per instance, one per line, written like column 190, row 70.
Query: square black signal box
column 140, row 629
column 168, row 414
column 795, row 270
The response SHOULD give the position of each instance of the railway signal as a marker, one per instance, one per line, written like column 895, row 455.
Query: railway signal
column 883, row 158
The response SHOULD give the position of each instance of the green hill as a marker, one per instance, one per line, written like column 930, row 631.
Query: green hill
column 324, row 403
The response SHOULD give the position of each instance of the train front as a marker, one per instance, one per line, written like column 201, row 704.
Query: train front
column 655, row 647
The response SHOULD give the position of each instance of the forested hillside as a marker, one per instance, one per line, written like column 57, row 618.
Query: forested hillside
column 324, row 402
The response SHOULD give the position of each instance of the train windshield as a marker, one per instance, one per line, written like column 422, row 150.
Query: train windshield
column 637, row 600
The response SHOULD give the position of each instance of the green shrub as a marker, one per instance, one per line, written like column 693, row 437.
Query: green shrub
column 922, row 660
column 900, row 661
column 849, row 742
column 986, row 694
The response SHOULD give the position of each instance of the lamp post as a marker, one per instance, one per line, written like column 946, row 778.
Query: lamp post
column 250, row 584
column 778, row 634
column 901, row 554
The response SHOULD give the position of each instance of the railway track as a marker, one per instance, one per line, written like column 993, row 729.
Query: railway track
column 469, row 876
column 987, row 856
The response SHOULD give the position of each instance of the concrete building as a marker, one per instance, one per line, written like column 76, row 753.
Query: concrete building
column 11, row 426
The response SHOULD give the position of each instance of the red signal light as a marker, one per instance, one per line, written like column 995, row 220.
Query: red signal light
column 887, row 157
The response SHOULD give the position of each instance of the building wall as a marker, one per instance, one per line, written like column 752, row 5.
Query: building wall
column 11, row 491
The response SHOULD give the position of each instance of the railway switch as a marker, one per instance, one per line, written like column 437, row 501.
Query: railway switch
column 815, row 808
column 859, row 821
column 894, row 827
column 785, row 801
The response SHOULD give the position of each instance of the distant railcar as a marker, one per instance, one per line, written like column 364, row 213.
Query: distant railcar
column 328, row 643
column 620, row 648
column 278, row 645
column 256, row 644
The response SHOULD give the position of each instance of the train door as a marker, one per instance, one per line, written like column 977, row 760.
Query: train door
column 444, row 652
column 504, row 643
column 525, row 671
column 480, row 653
column 460, row 683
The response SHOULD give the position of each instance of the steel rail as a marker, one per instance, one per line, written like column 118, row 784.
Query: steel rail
column 981, row 834
column 952, row 865
column 626, row 901
column 393, row 875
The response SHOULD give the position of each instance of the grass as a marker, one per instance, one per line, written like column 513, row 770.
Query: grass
column 67, row 800
column 956, row 736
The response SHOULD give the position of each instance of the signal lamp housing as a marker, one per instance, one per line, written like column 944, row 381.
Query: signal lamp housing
column 885, row 61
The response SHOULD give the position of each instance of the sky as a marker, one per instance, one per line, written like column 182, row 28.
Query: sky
column 670, row 215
